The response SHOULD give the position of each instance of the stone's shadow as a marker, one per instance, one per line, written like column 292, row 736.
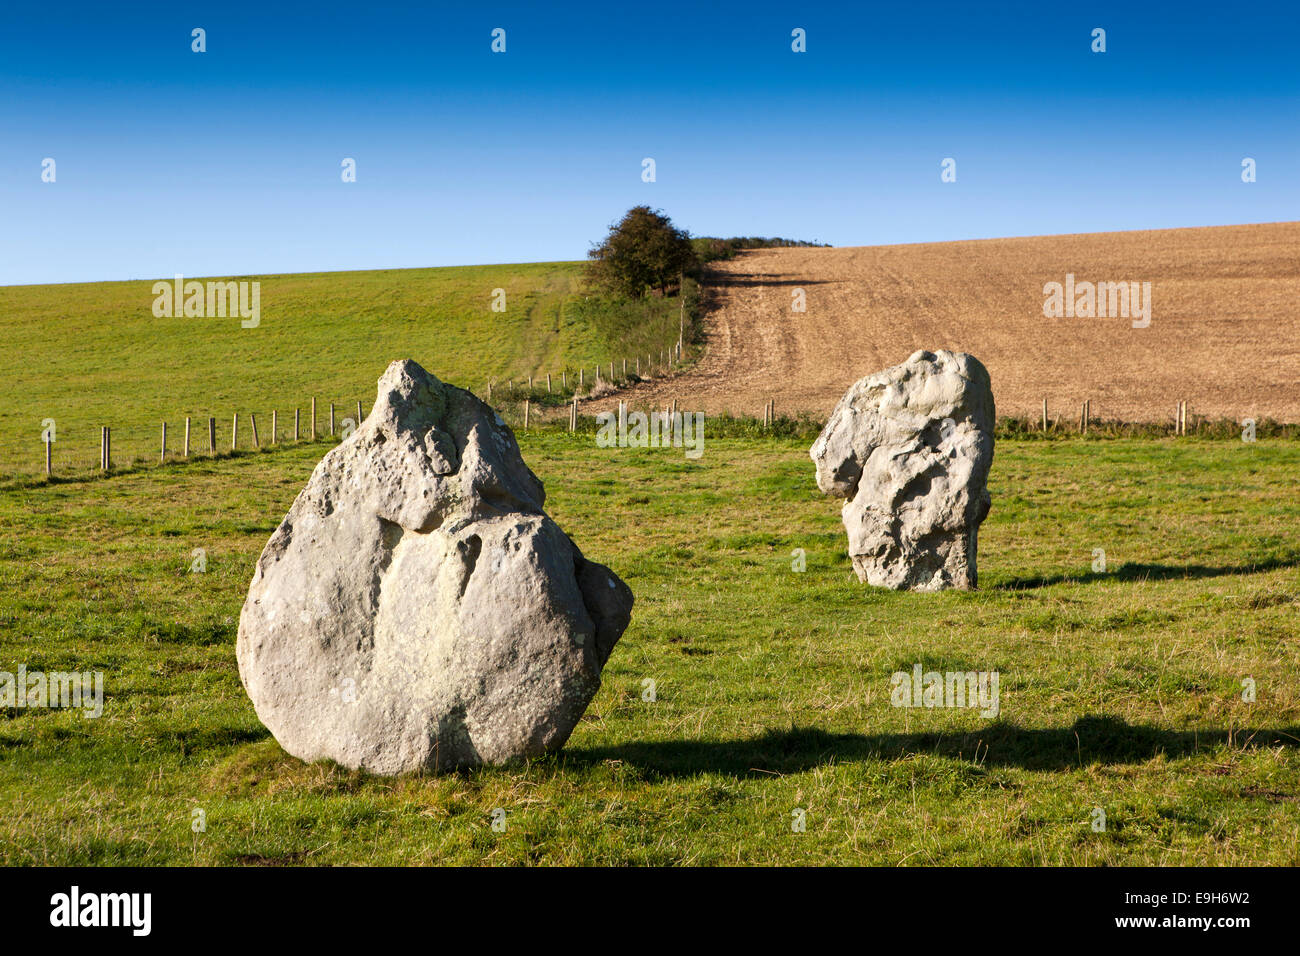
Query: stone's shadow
column 1092, row 739
column 1130, row 571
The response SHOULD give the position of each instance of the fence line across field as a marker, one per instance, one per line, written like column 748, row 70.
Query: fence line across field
column 668, row 357
column 106, row 436
column 767, row 415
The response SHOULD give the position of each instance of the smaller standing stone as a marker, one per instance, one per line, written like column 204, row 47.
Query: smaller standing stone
column 910, row 450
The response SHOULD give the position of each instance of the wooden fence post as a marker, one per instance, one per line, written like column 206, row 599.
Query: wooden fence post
column 162, row 455
column 331, row 419
column 358, row 413
column 297, row 412
column 564, row 380
column 252, row 421
column 1044, row 414
column 581, row 372
column 681, row 312
column 105, row 447
column 548, row 383
column 573, row 415
column 527, row 402
column 234, row 431
column 275, row 421
column 489, row 398
column 48, row 470
column 212, row 436
column 187, row 436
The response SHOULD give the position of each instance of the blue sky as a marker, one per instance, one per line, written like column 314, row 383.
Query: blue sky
column 228, row 162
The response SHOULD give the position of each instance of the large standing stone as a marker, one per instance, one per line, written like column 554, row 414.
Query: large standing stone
column 417, row 608
column 910, row 448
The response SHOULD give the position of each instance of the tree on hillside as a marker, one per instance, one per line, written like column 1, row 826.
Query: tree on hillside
column 643, row 251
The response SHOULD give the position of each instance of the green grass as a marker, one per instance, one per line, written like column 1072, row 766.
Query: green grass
column 1119, row 690
column 93, row 354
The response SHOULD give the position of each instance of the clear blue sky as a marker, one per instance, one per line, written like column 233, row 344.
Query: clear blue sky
column 228, row 162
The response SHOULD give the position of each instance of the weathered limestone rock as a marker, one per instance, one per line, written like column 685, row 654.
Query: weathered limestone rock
column 910, row 448
column 417, row 609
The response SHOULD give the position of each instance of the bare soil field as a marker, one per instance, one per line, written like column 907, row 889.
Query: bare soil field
column 1224, row 332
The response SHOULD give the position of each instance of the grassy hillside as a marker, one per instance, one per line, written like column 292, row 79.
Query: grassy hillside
column 1119, row 689
column 93, row 354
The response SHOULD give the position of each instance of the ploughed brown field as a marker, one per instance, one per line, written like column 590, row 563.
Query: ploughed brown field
column 1224, row 332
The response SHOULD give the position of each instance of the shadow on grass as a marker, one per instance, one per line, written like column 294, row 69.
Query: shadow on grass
column 1099, row 739
column 1131, row 571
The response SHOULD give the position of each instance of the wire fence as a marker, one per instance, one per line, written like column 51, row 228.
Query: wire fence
column 568, row 401
column 64, row 449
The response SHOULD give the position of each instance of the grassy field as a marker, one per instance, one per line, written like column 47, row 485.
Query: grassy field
column 1119, row 689
column 94, row 354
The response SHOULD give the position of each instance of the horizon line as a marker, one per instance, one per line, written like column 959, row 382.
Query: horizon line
column 545, row 262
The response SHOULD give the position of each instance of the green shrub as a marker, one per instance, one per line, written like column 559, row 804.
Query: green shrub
column 644, row 251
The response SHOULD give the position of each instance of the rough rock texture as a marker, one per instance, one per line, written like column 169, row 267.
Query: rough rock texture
column 416, row 608
column 910, row 448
